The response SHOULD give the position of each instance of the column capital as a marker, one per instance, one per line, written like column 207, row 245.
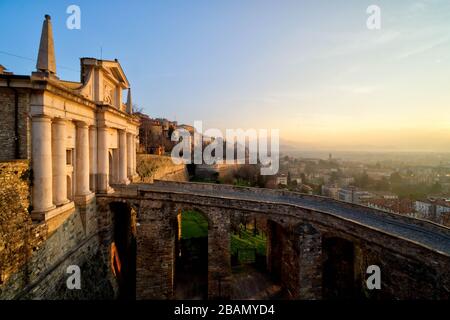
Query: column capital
column 59, row 120
column 41, row 117
column 103, row 127
column 81, row 124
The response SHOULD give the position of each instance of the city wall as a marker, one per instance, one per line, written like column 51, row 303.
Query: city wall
column 153, row 167
column 34, row 256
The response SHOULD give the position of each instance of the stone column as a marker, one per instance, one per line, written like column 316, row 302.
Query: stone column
column 123, row 157
column 41, row 135
column 310, row 262
column 102, row 160
column 92, row 158
column 130, row 155
column 133, row 155
column 133, row 170
column 59, row 161
column 82, row 161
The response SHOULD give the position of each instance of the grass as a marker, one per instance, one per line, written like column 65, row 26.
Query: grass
column 204, row 180
column 248, row 241
column 193, row 225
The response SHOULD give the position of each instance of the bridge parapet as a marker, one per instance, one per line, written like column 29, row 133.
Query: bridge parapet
column 314, row 202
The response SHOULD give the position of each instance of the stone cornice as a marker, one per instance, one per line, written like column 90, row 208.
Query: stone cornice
column 107, row 107
column 54, row 87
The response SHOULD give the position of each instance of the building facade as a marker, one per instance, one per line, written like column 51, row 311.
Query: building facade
column 80, row 137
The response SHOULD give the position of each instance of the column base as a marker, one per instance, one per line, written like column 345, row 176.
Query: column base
column 107, row 191
column 84, row 199
column 127, row 181
column 51, row 212
column 62, row 203
column 134, row 178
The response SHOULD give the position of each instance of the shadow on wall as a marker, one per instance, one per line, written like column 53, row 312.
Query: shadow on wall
column 123, row 249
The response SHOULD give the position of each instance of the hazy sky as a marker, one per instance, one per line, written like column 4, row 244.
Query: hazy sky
column 310, row 68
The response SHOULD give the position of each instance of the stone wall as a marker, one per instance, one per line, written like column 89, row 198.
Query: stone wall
column 219, row 259
column 34, row 261
column 297, row 251
column 19, row 237
column 153, row 167
column 8, row 119
column 402, row 277
column 155, row 260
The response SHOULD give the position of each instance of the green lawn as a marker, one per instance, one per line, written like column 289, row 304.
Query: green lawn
column 193, row 225
column 248, row 241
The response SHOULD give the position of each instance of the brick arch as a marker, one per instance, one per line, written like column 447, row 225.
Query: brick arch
column 123, row 247
column 191, row 271
column 202, row 210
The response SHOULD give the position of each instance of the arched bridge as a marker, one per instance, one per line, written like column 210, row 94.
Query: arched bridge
column 316, row 247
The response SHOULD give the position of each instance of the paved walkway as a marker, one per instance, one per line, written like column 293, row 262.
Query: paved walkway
column 248, row 283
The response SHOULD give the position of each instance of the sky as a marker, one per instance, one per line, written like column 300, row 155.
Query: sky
column 309, row 68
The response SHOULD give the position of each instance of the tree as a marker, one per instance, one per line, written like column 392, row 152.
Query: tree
column 303, row 176
column 362, row 180
column 396, row 178
column 382, row 185
column 436, row 188
column 137, row 108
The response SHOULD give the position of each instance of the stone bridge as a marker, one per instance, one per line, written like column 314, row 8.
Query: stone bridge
column 318, row 248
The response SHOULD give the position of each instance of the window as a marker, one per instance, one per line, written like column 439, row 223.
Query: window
column 69, row 157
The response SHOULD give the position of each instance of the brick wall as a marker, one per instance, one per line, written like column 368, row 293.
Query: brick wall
column 7, row 124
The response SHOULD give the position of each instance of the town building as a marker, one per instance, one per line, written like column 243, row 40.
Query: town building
column 331, row 191
column 354, row 195
column 424, row 207
column 436, row 209
column 401, row 206
column 150, row 135
column 282, row 179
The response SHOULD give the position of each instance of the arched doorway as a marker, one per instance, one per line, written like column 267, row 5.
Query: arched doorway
column 191, row 256
column 256, row 251
column 123, row 249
